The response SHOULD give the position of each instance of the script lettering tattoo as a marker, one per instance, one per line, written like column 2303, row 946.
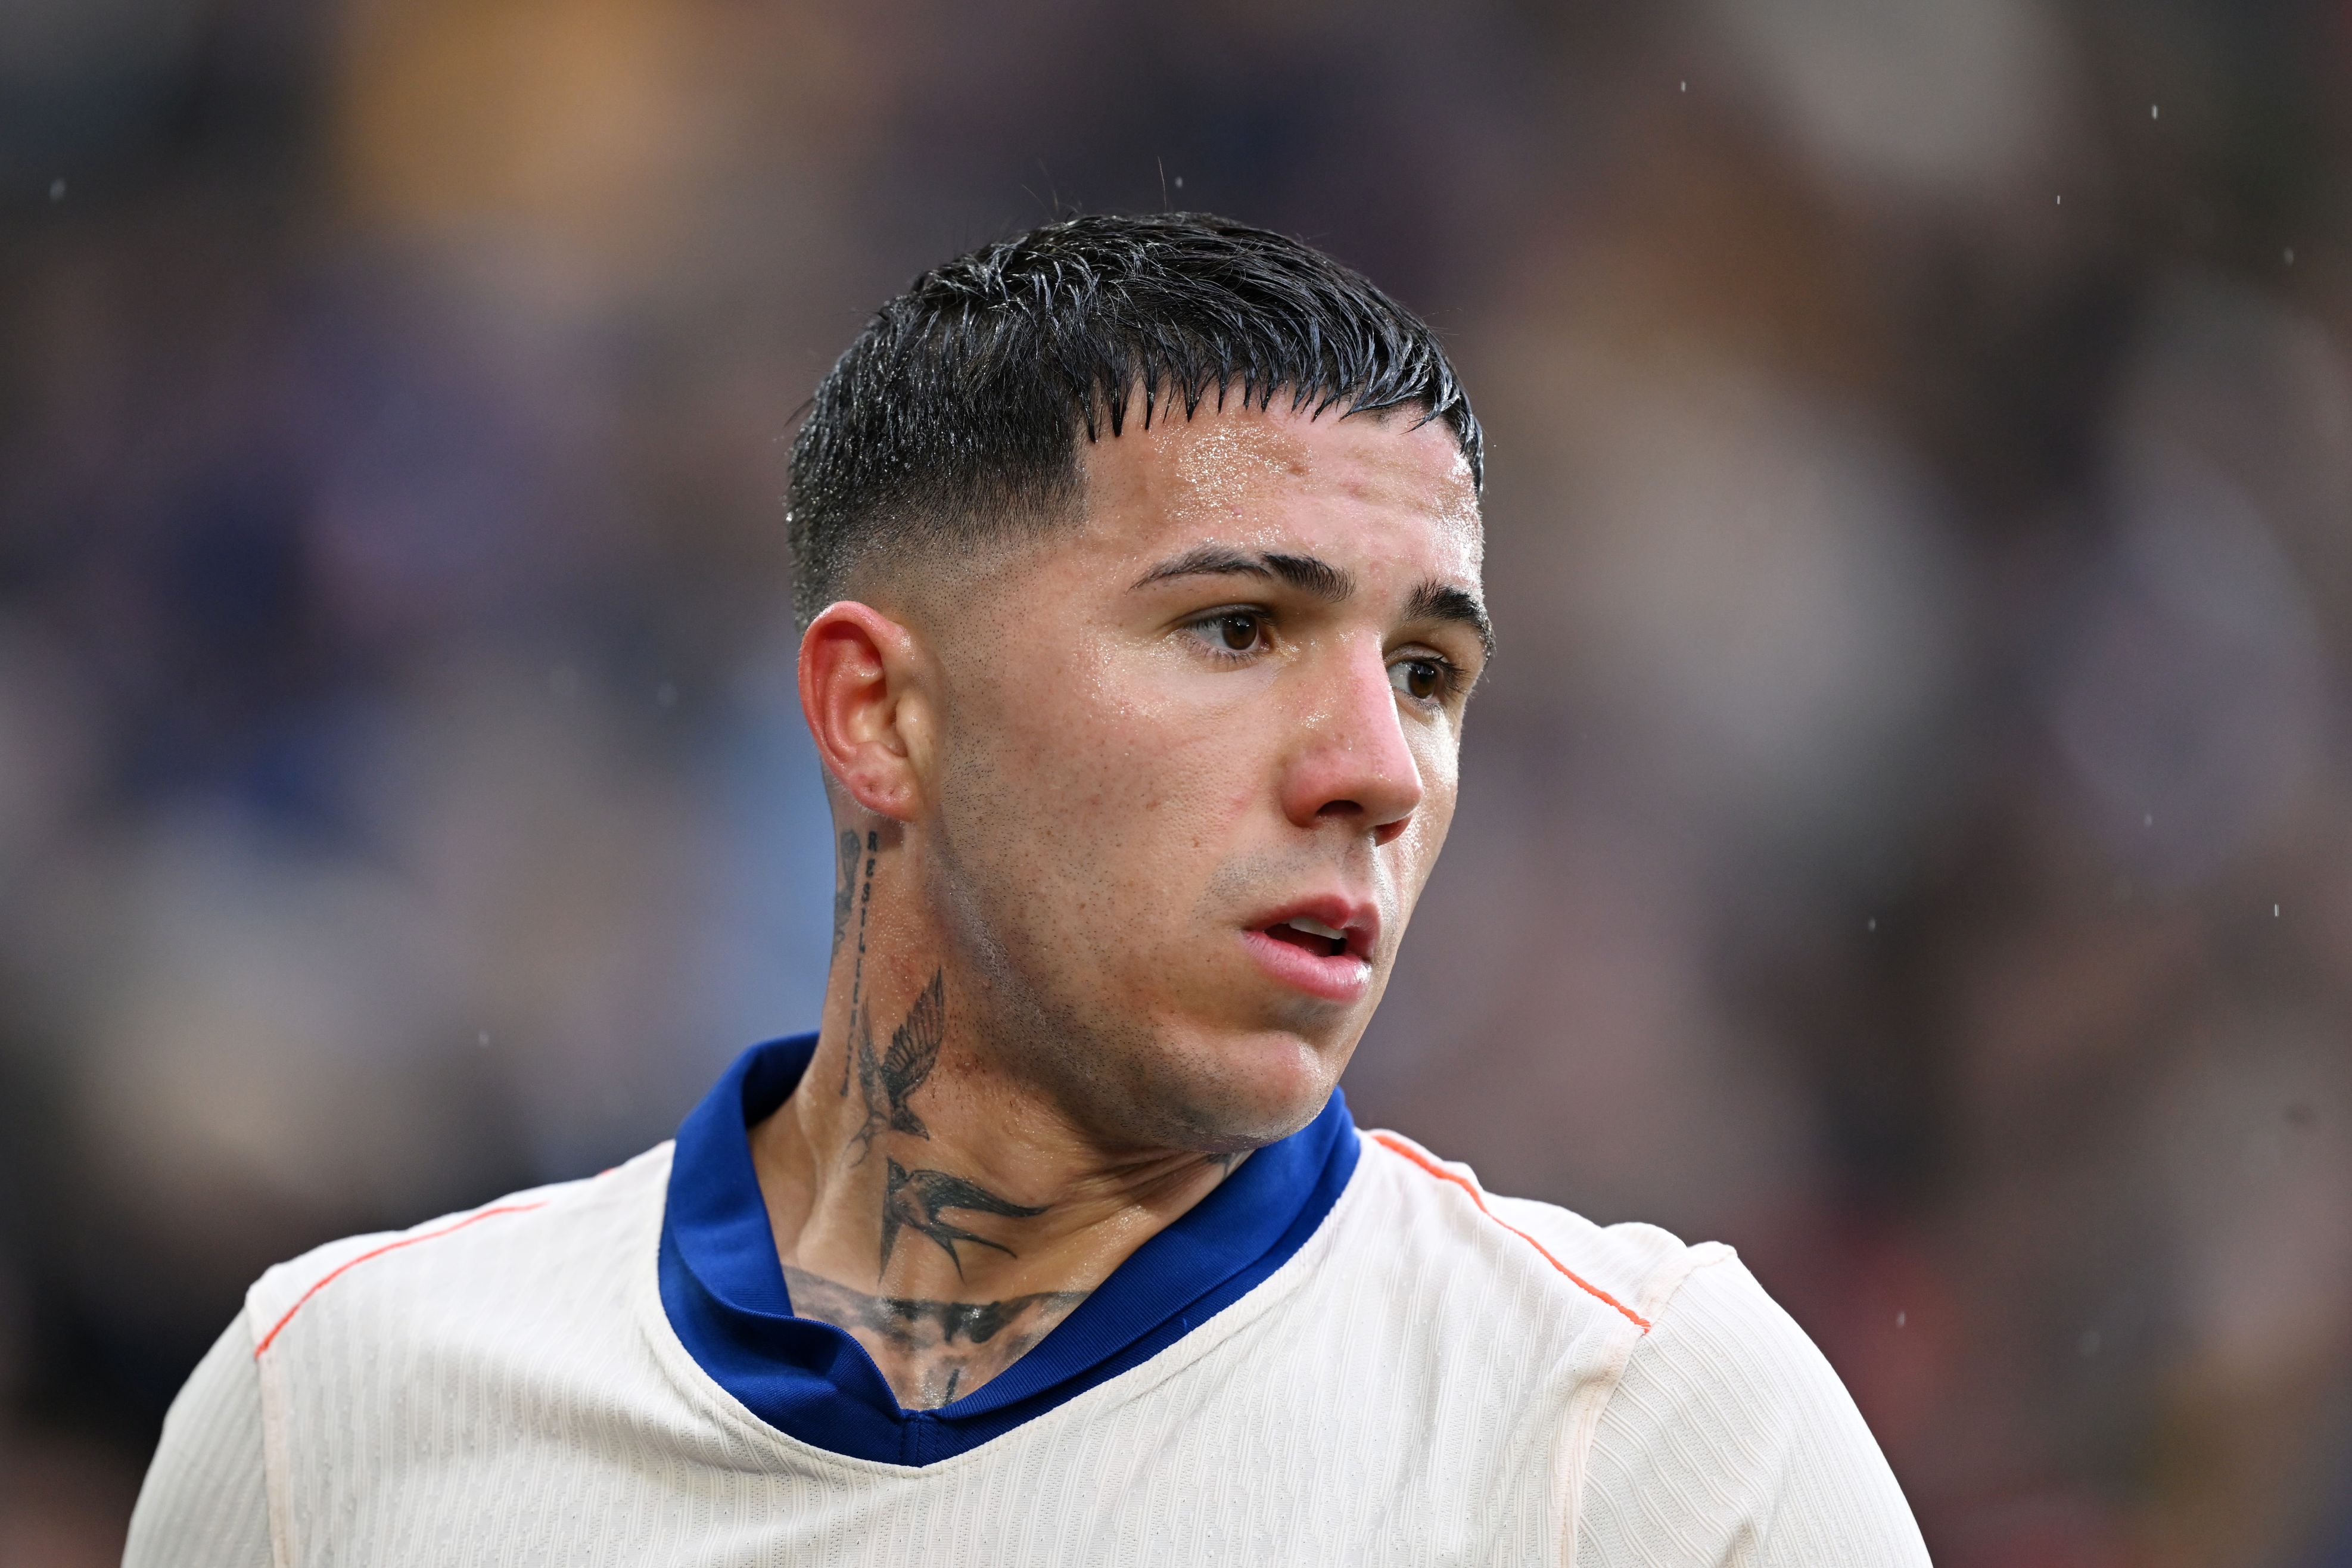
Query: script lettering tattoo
column 915, row 1201
column 933, row 1348
column 860, row 1046
column 844, row 890
column 858, row 973
column 890, row 1080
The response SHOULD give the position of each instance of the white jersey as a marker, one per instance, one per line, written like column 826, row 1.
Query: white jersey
column 1434, row 1376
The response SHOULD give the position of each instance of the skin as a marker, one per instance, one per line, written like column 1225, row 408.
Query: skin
column 1070, row 780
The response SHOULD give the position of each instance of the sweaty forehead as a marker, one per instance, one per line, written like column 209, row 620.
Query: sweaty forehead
column 1246, row 469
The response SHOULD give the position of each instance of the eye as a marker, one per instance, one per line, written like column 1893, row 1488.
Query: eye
column 1234, row 631
column 1420, row 679
column 1240, row 633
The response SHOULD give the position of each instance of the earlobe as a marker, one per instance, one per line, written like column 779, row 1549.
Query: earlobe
column 859, row 692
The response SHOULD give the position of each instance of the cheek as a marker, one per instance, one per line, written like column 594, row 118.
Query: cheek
column 1413, row 855
column 1106, row 804
column 1158, row 807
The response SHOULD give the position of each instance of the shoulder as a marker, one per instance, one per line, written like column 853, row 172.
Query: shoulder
column 1700, row 1424
column 528, row 1248
column 1728, row 1431
column 205, row 1503
column 1549, row 1260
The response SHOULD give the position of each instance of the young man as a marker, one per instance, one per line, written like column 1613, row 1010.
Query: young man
column 1138, row 565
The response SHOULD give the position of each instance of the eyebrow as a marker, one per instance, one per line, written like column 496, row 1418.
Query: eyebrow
column 1432, row 601
column 1444, row 602
column 1307, row 573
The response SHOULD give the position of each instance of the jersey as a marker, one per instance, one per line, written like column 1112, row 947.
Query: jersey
column 1431, row 1374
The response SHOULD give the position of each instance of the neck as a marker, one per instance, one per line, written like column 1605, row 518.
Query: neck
column 924, row 1198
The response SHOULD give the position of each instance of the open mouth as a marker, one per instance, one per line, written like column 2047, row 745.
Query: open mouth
column 1305, row 952
column 1314, row 936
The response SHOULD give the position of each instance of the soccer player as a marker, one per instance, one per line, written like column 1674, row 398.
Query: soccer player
column 1137, row 561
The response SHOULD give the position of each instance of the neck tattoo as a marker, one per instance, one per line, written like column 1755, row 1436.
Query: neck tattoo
column 840, row 917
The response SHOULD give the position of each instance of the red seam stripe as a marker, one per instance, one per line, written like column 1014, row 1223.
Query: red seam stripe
column 337, row 1272
column 1395, row 1146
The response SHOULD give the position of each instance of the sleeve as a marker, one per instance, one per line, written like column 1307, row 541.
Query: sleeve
column 205, row 1501
column 1730, row 1440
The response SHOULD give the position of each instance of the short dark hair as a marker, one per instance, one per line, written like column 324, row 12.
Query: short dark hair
column 955, row 415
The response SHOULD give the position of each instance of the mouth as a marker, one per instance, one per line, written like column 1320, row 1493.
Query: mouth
column 1324, row 948
column 1312, row 935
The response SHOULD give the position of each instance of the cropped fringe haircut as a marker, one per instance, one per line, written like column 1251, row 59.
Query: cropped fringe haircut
column 955, row 418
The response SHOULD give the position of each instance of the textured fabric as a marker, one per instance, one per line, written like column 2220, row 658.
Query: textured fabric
column 1729, row 1439
column 1436, row 1376
column 725, row 1295
column 206, row 1503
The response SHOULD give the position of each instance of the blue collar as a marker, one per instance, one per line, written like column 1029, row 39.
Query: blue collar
column 724, row 1291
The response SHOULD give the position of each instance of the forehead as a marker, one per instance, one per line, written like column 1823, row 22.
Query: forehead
column 1357, row 485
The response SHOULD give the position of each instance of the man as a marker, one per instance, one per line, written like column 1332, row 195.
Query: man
column 1137, row 561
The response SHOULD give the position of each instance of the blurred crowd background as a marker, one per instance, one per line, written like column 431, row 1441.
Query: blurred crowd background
column 1908, row 833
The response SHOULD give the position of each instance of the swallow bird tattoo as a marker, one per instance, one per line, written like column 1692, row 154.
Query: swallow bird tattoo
column 915, row 1200
column 890, row 1079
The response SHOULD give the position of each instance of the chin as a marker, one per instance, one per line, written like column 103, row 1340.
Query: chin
column 1242, row 1089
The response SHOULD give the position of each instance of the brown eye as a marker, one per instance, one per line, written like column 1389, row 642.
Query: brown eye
column 1417, row 677
column 1238, row 632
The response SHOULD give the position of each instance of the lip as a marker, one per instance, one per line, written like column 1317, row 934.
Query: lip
column 1338, row 977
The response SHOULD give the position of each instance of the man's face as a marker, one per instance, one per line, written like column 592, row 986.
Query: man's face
column 1197, row 754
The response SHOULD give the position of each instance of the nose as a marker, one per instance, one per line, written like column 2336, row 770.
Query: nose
column 1352, row 762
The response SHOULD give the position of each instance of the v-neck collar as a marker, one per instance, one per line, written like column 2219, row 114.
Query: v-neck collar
column 724, row 1292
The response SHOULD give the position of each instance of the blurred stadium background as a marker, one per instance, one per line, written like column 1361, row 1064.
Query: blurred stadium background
column 1908, row 833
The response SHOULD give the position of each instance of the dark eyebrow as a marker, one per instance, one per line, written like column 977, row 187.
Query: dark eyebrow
column 1444, row 602
column 1307, row 573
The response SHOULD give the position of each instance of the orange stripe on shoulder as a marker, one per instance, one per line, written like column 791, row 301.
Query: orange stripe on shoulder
column 348, row 1265
column 1397, row 1146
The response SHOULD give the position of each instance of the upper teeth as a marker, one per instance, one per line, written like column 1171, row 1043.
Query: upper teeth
column 1316, row 928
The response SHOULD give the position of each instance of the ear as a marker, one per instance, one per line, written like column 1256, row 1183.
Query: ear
column 862, row 696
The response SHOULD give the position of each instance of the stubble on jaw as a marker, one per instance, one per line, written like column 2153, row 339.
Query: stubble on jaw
column 1109, row 1072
